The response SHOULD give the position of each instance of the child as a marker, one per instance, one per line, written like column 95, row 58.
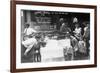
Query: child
column 28, row 38
column 77, row 31
column 86, row 36
column 74, row 43
column 82, row 46
column 40, row 43
column 68, row 50
column 37, row 54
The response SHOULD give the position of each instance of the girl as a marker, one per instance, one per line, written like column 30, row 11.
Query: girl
column 28, row 38
column 77, row 31
column 82, row 46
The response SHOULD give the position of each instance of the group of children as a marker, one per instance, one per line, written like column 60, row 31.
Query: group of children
column 79, row 44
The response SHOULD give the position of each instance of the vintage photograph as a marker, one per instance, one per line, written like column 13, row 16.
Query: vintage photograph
column 54, row 36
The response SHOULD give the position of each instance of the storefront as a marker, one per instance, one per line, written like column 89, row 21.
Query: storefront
column 48, row 21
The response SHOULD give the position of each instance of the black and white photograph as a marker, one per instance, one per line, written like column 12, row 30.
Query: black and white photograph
column 53, row 36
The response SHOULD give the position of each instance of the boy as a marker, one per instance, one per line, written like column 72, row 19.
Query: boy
column 68, row 50
column 37, row 55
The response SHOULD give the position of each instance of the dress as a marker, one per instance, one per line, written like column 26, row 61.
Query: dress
column 77, row 33
column 82, row 46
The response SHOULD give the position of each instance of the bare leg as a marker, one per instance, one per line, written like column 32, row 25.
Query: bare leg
column 28, row 49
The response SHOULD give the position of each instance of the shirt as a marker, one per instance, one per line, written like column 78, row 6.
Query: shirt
column 29, row 31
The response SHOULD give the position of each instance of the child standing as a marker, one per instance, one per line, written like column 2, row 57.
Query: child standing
column 37, row 54
column 68, row 50
column 77, row 31
column 82, row 46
